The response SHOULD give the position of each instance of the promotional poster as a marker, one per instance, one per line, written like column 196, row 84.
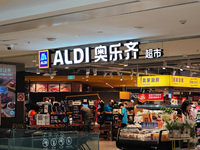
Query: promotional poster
column 7, row 90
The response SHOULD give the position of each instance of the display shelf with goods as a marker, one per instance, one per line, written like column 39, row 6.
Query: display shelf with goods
column 130, row 112
column 142, row 138
column 148, row 131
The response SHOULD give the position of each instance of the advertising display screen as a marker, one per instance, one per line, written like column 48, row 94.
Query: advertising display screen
column 41, row 87
column 65, row 87
column 53, row 87
column 8, row 90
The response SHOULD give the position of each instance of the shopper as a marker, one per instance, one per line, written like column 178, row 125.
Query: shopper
column 32, row 113
column 186, row 111
column 108, row 110
column 123, row 114
column 86, row 116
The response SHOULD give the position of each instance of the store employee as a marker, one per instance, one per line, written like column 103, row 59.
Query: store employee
column 123, row 114
column 108, row 110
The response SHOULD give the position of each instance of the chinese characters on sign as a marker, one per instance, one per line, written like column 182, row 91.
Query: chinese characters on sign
column 178, row 79
column 8, row 90
column 6, row 73
column 150, row 80
column 153, row 81
column 103, row 53
column 154, row 53
column 150, row 97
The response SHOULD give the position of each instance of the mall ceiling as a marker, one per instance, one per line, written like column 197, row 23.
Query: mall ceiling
column 29, row 26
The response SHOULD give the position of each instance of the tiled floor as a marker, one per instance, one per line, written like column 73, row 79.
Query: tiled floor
column 111, row 145
column 107, row 145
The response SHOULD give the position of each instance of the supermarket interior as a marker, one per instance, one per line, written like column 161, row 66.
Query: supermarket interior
column 115, row 74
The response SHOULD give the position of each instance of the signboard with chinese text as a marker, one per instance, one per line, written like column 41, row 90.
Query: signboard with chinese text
column 180, row 81
column 168, row 81
column 44, row 59
column 153, row 81
column 150, row 97
column 102, row 53
column 154, row 96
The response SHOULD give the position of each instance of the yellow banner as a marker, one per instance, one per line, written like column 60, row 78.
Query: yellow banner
column 168, row 81
column 153, row 81
column 180, row 81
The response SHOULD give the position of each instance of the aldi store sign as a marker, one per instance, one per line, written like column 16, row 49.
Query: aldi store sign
column 103, row 53
column 43, row 57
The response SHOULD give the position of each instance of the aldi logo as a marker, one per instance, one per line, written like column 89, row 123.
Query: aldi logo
column 43, row 57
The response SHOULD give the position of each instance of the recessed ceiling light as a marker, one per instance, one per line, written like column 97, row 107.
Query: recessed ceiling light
column 51, row 39
column 66, row 67
column 100, row 31
column 138, row 27
column 183, row 21
column 76, row 35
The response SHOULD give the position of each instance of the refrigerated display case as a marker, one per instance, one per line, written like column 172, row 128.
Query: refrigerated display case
column 147, row 133
column 143, row 139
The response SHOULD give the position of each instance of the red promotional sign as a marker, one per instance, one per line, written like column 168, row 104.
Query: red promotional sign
column 154, row 96
column 196, row 98
column 20, row 96
column 142, row 98
column 151, row 97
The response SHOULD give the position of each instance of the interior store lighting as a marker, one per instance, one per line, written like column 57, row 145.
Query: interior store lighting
column 132, row 72
column 105, row 74
column 87, row 75
column 94, row 72
column 118, row 73
column 181, row 68
column 111, row 74
column 131, row 75
column 87, row 71
column 146, row 72
column 188, row 63
column 51, row 76
column 137, row 74
column 38, row 71
column 109, row 85
column 66, row 67
column 174, row 73
column 121, row 77
column 164, row 65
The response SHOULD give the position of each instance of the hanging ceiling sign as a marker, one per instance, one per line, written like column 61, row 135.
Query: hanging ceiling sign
column 180, row 81
column 103, row 53
column 168, row 81
column 153, row 81
column 44, row 59
column 150, row 97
